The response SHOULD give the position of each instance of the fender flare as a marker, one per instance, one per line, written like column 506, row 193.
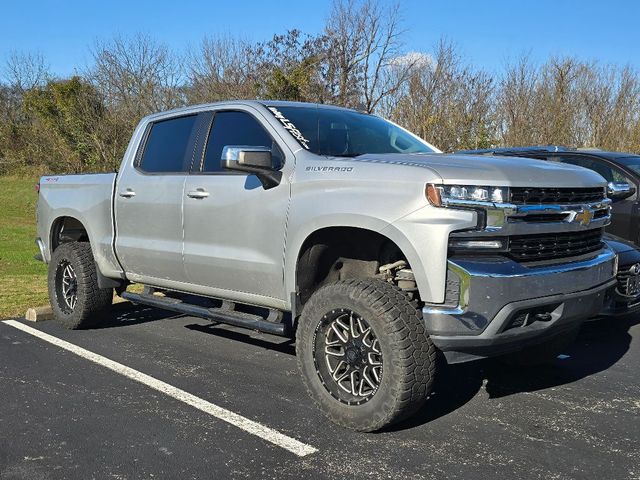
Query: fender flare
column 364, row 222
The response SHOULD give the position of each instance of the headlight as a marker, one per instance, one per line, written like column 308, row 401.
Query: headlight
column 443, row 195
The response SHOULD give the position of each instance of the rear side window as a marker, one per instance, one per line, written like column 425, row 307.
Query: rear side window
column 237, row 128
column 165, row 150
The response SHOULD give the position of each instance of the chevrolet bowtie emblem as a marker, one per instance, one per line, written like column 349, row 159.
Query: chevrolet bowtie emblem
column 584, row 217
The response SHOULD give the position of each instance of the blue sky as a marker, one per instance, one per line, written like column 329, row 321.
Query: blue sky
column 488, row 33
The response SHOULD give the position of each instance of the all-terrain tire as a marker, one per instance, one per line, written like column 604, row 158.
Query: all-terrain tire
column 408, row 355
column 91, row 301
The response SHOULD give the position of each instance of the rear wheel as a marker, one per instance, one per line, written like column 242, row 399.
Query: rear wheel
column 363, row 353
column 76, row 299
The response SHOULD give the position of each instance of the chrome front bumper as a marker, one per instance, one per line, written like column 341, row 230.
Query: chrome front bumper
column 497, row 305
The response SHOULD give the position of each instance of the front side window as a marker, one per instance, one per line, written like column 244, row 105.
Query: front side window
column 631, row 162
column 165, row 149
column 346, row 133
column 610, row 173
column 237, row 128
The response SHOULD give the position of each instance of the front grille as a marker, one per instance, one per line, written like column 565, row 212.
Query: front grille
column 538, row 196
column 554, row 217
column 628, row 284
column 540, row 218
column 551, row 246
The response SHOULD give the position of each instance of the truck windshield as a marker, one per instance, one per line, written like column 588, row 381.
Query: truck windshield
column 346, row 133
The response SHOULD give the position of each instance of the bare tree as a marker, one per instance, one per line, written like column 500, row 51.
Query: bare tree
column 26, row 70
column 358, row 61
column 364, row 42
column 558, row 106
column 568, row 102
column 614, row 127
column 445, row 101
column 137, row 75
column 221, row 69
column 516, row 104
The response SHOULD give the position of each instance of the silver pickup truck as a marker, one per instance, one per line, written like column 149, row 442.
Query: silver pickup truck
column 365, row 242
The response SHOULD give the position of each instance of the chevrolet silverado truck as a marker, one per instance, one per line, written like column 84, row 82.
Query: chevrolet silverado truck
column 364, row 241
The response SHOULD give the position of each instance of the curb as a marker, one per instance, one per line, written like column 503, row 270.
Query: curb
column 39, row 314
column 43, row 313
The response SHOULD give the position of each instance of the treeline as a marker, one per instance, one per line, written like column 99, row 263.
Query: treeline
column 83, row 123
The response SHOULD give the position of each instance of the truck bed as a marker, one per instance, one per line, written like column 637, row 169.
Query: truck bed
column 87, row 198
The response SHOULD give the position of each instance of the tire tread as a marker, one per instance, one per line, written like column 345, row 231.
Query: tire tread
column 92, row 300
column 404, row 326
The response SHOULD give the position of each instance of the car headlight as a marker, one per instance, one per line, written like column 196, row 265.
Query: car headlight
column 444, row 195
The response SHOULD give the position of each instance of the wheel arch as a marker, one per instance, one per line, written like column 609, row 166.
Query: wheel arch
column 69, row 228
column 306, row 268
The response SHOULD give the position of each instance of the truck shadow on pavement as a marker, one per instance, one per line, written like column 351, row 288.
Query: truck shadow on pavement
column 599, row 345
column 125, row 313
column 277, row 344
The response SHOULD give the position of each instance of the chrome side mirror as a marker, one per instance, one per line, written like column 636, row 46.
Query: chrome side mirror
column 243, row 155
column 619, row 190
column 253, row 160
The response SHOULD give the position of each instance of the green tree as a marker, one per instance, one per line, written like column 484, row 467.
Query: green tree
column 71, row 112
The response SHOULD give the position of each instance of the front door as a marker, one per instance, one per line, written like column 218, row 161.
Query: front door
column 234, row 229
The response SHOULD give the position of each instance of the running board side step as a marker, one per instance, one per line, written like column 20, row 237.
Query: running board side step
column 224, row 314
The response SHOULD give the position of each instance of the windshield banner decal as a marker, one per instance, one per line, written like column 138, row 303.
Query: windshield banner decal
column 293, row 130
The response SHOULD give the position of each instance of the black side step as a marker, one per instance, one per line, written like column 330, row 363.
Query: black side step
column 224, row 314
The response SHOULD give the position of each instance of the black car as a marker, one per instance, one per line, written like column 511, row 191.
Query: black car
column 622, row 171
column 625, row 297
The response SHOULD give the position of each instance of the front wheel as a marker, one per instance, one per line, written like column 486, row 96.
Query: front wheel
column 364, row 354
column 76, row 299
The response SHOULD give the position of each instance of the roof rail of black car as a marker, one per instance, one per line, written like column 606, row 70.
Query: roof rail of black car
column 503, row 150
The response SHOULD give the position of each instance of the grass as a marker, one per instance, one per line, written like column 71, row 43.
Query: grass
column 23, row 280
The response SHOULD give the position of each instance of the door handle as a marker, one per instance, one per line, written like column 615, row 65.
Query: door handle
column 198, row 193
column 128, row 193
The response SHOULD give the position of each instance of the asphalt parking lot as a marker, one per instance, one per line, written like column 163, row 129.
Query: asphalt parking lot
column 65, row 416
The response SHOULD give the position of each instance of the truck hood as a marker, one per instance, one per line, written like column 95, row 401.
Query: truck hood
column 493, row 171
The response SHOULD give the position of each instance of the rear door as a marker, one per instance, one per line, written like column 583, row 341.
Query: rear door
column 234, row 229
column 148, row 203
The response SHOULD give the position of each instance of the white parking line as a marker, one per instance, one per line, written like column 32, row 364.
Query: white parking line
column 254, row 428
